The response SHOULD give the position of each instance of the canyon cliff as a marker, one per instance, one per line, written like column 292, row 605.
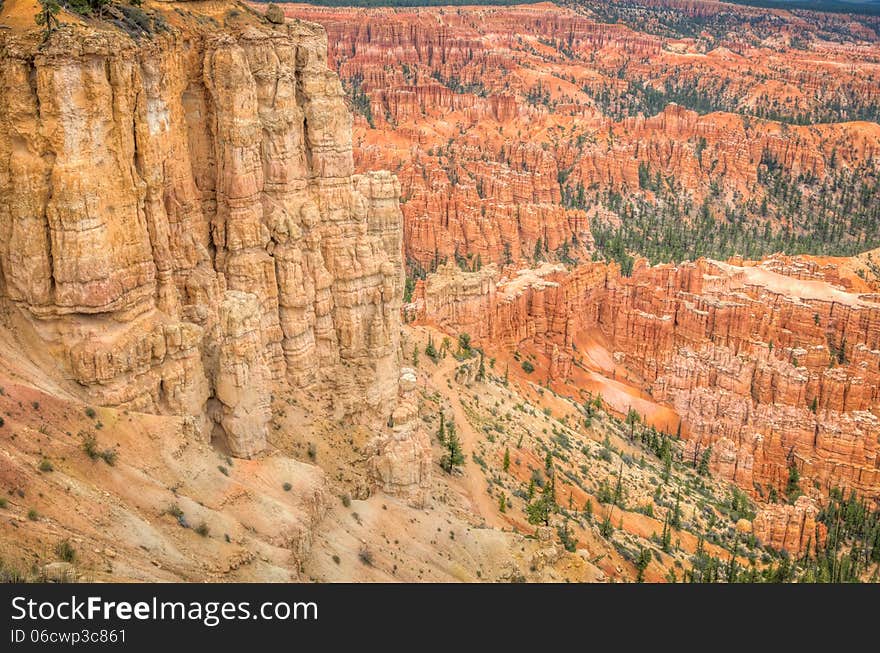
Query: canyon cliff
column 220, row 251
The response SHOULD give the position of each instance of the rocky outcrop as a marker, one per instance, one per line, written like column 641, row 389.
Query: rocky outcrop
column 182, row 228
column 400, row 461
column 242, row 383
column 791, row 528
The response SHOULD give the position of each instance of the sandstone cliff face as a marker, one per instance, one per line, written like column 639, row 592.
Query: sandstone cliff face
column 181, row 227
column 768, row 372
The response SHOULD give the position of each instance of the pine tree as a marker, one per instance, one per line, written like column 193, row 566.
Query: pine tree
column 502, row 503
column 703, row 469
column 666, row 455
column 47, row 17
column 675, row 522
column 618, row 489
column 732, row 567
column 415, row 356
column 606, row 529
column 506, row 464
column 539, row 510
column 441, row 432
column 481, row 372
column 642, row 563
column 632, row 418
column 666, row 536
column 454, row 456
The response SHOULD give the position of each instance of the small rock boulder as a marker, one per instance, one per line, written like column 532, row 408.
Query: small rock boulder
column 275, row 14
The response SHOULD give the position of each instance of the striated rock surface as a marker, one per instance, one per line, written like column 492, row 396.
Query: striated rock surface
column 242, row 380
column 181, row 227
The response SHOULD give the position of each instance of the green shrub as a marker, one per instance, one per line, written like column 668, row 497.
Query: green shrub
column 46, row 465
column 65, row 551
column 528, row 368
column 90, row 445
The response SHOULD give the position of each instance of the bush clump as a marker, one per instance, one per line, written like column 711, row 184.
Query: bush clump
column 65, row 551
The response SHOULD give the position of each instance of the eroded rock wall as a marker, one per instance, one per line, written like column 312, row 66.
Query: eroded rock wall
column 181, row 227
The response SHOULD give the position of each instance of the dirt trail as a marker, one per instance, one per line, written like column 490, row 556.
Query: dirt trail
column 472, row 483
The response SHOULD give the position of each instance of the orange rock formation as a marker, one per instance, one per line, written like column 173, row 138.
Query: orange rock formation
column 768, row 371
column 498, row 120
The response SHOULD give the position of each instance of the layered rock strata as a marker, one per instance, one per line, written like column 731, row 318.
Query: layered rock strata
column 181, row 226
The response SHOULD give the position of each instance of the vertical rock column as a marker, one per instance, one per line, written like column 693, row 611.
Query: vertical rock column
column 242, row 384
